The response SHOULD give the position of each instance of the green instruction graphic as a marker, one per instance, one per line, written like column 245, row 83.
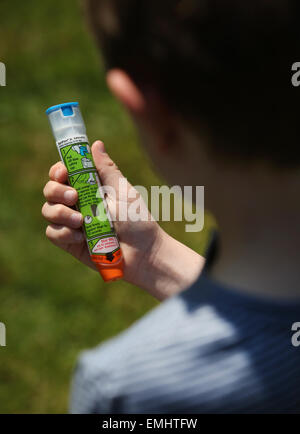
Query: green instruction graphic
column 77, row 157
column 84, row 178
column 90, row 204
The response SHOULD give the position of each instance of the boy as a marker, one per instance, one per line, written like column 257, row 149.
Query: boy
column 208, row 86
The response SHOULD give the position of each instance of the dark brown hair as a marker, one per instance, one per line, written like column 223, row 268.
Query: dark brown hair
column 224, row 63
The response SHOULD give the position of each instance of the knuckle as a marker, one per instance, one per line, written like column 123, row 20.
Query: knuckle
column 63, row 234
column 52, row 169
column 109, row 162
column 49, row 232
column 55, row 189
column 105, row 158
column 57, row 234
column 51, row 189
column 114, row 166
column 46, row 189
column 44, row 209
column 59, row 211
column 108, row 169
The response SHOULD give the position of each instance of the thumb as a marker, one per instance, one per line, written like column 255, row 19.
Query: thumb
column 115, row 184
column 107, row 169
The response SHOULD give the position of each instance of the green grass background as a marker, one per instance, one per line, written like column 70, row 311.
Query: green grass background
column 53, row 306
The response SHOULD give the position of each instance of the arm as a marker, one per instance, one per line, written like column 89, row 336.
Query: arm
column 170, row 268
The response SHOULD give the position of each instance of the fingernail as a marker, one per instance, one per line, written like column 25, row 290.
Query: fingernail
column 69, row 195
column 58, row 174
column 76, row 218
column 78, row 236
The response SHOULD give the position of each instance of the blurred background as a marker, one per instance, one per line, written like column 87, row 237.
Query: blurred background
column 54, row 307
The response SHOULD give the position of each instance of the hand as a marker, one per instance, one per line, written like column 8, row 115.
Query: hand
column 138, row 239
column 150, row 260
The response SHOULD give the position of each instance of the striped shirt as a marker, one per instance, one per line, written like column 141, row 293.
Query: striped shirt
column 207, row 350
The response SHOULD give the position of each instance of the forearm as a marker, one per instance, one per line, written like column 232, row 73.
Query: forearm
column 171, row 268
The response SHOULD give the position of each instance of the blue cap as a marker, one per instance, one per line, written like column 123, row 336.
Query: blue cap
column 66, row 108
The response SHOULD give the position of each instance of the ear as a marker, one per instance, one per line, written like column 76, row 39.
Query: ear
column 126, row 91
column 148, row 109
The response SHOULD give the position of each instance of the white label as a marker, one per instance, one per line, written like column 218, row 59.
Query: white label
column 106, row 245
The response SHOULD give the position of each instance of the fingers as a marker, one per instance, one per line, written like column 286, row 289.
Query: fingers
column 107, row 169
column 58, row 172
column 62, row 235
column 62, row 215
column 60, row 193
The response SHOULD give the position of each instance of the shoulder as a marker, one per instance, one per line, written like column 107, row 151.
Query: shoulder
column 148, row 349
column 168, row 324
column 197, row 351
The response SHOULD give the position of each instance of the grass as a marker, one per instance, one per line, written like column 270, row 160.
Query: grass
column 52, row 306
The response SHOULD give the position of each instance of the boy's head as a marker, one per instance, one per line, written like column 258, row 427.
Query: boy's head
column 212, row 76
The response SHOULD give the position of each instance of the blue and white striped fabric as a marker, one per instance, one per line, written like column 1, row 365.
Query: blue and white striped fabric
column 207, row 350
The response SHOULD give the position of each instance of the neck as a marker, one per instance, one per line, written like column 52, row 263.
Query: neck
column 259, row 217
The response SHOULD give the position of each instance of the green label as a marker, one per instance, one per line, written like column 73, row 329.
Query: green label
column 84, row 178
column 90, row 204
column 77, row 157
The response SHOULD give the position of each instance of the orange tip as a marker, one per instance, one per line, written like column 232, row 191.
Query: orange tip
column 110, row 274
